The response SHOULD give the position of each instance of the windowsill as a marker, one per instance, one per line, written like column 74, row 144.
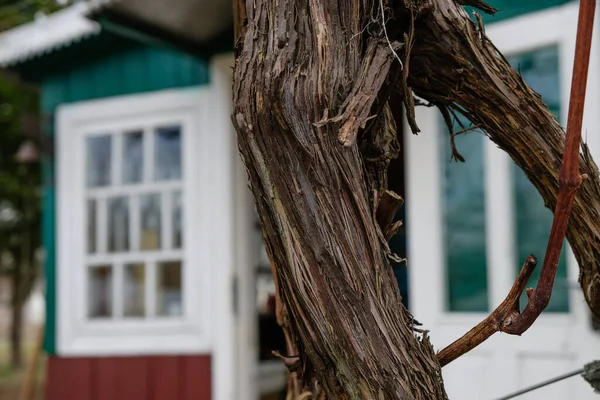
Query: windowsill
column 135, row 344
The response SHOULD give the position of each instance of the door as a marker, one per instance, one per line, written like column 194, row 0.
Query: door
column 470, row 227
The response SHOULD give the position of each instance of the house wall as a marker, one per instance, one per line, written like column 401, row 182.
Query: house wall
column 96, row 68
column 129, row 378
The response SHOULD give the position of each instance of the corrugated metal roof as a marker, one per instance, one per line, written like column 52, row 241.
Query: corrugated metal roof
column 48, row 33
column 197, row 21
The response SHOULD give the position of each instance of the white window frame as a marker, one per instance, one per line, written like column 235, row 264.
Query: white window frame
column 201, row 147
column 424, row 197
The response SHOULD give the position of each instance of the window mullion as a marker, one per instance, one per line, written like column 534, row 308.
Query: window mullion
column 117, row 160
column 166, row 221
column 148, row 155
column 118, row 289
column 134, row 223
column 102, row 225
column 150, row 288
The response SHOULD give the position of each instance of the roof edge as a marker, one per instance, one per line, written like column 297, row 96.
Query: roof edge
column 48, row 34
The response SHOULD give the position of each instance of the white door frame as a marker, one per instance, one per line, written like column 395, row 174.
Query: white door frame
column 224, row 369
column 245, row 286
column 555, row 26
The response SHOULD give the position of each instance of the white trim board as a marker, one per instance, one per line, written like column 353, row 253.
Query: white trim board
column 224, row 258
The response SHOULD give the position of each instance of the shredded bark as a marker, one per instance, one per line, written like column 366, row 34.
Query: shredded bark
column 316, row 131
column 301, row 62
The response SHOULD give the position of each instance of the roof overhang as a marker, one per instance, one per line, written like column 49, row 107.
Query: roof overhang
column 46, row 34
column 201, row 27
column 192, row 23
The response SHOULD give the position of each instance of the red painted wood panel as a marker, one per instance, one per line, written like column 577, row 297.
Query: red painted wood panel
column 167, row 376
column 129, row 378
column 132, row 381
column 196, row 378
column 105, row 379
column 69, row 379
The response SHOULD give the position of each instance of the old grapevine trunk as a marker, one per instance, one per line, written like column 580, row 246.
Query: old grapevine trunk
column 307, row 79
column 313, row 85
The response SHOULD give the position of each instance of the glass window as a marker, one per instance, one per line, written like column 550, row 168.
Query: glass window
column 135, row 221
column 533, row 220
column 464, row 203
column 133, row 157
column 121, row 220
column 91, row 226
column 133, row 290
column 464, row 222
column 177, row 220
column 167, row 153
column 169, row 291
column 118, row 224
column 100, row 292
column 99, row 159
column 150, row 210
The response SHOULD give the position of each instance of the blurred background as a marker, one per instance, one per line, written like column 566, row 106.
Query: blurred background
column 132, row 264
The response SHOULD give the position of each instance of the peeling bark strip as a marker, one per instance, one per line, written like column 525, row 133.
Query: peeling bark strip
column 300, row 61
column 461, row 68
column 357, row 107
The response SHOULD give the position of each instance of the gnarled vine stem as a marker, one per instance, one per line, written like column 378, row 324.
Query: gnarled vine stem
column 506, row 317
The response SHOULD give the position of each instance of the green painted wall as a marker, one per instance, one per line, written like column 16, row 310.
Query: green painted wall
column 97, row 68
column 512, row 8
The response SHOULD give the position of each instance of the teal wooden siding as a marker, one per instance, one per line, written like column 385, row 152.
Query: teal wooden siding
column 98, row 68
column 513, row 8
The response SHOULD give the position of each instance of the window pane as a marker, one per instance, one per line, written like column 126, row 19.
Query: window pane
column 533, row 220
column 133, row 157
column 91, row 226
column 167, row 153
column 150, row 235
column 177, row 221
column 118, row 224
column 169, row 289
column 464, row 216
column 98, row 160
column 134, row 300
column 100, row 291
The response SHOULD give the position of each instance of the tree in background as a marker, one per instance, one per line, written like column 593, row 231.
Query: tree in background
column 17, row 12
column 20, row 200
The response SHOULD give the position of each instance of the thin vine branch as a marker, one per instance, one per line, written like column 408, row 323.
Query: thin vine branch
column 506, row 317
